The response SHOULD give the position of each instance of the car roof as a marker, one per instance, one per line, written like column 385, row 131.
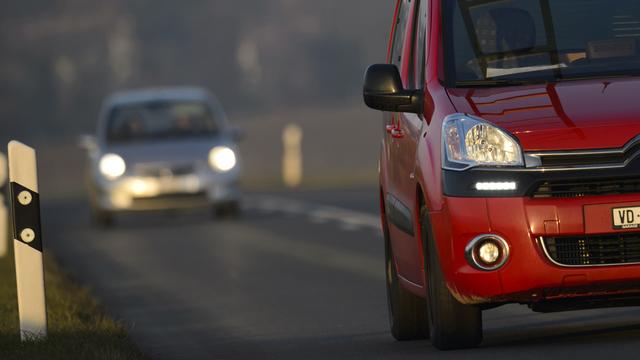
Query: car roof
column 158, row 94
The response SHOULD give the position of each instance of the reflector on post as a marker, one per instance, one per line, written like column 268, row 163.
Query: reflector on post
column 25, row 206
column 292, row 156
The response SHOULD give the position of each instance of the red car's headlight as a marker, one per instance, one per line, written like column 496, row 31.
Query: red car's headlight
column 469, row 141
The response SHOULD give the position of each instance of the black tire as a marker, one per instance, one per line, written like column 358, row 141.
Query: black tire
column 452, row 324
column 101, row 218
column 229, row 210
column 407, row 312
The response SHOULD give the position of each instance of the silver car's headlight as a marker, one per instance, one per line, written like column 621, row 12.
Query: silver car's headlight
column 112, row 166
column 469, row 141
column 222, row 159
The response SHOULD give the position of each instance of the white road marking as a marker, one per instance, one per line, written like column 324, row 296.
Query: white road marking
column 349, row 227
column 349, row 220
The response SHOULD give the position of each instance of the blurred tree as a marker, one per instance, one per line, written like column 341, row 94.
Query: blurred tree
column 60, row 58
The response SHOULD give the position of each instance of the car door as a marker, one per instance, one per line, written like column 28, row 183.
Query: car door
column 395, row 57
column 402, row 138
column 410, row 127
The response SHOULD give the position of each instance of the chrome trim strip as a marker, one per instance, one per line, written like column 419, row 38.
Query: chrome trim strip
column 470, row 254
column 618, row 151
column 565, row 168
column 532, row 161
column 552, row 169
column 546, row 252
column 621, row 151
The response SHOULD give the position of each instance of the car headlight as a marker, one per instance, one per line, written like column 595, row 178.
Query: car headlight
column 469, row 142
column 222, row 158
column 112, row 166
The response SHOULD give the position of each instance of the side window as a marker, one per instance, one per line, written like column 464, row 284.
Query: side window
column 420, row 52
column 399, row 32
column 416, row 63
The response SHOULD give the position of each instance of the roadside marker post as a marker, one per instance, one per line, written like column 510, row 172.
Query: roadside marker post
column 4, row 216
column 292, row 155
column 27, row 241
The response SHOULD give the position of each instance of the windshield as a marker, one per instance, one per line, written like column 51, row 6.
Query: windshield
column 494, row 42
column 160, row 120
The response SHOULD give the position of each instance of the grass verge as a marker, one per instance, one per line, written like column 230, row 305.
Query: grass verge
column 78, row 328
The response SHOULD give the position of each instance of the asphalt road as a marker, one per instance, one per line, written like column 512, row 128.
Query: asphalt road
column 300, row 276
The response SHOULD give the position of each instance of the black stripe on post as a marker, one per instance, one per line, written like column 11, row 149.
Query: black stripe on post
column 26, row 216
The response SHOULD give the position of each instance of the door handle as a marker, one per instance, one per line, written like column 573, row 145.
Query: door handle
column 397, row 133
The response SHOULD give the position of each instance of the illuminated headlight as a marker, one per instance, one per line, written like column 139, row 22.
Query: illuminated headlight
column 112, row 166
column 222, row 159
column 469, row 142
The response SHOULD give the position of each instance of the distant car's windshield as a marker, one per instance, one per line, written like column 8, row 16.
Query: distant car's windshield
column 494, row 42
column 159, row 120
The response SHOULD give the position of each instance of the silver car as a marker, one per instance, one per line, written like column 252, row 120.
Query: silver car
column 162, row 149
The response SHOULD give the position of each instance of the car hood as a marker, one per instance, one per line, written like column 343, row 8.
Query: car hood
column 564, row 116
column 165, row 151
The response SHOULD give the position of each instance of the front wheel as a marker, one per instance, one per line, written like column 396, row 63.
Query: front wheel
column 453, row 325
column 102, row 218
column 407, row 312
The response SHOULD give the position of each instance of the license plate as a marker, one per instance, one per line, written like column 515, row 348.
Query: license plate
column 626, row 218
column 180, row 184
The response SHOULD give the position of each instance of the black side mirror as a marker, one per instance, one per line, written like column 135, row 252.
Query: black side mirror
column 383, row 90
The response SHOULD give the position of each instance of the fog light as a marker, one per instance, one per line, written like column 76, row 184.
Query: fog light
column 121, row 200
column 487, row 252
column 138, row 187
column 496, row 186
column 144, row 187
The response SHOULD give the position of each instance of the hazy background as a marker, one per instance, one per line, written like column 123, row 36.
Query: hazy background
column 270, row 62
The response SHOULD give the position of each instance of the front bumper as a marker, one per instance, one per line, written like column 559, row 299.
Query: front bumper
column 141, row 193
column 529, row 276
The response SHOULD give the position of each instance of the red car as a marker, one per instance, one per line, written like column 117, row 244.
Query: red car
column 510, row 163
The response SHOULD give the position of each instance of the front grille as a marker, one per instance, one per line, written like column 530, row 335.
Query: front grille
column 580, row 188
column 182, row 170
column 596, row 158
column 594, row 250
column 170, row 201
column 163, row 171
column 175, row 196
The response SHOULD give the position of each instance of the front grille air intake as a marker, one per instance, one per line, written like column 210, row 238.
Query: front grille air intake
column 580, row 188
column 594, row 250
column 591, row 158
